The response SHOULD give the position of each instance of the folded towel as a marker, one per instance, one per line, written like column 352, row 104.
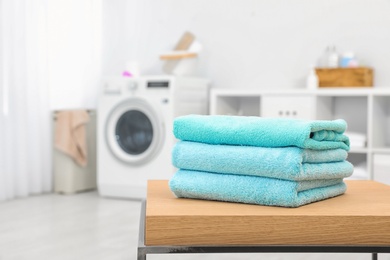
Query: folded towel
column 266, row 132
column 253, row 190
column 290, row 163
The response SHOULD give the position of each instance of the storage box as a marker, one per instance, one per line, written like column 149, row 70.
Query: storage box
column 345, row 77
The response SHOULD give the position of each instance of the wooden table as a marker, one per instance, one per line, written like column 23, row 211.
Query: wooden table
column 358, row 221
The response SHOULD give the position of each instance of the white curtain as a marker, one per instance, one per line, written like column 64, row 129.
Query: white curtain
column 75, row 31
column 25, row 134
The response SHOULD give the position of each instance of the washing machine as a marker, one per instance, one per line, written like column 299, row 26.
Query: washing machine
column 134, row 135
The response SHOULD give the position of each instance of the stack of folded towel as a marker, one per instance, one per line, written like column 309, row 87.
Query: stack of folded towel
column 266, row 161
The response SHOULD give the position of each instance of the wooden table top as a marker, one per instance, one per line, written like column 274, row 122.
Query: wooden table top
column 359, row 217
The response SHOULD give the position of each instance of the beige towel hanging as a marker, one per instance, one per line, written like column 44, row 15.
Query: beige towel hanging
column 70, row 136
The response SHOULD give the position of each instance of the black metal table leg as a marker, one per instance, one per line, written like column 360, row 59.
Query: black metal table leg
column 374, row 256
column 141, row 251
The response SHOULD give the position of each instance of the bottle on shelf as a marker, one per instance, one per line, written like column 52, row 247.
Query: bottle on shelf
column 330, row 57
column 333, row 58
column 349, row 60
column 312, row 79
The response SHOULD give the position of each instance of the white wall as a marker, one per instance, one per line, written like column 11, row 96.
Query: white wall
column 247, row 43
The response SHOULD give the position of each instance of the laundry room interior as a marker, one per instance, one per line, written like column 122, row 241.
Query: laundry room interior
column 110, row 108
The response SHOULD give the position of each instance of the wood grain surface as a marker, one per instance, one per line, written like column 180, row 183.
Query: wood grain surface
column 359, row 217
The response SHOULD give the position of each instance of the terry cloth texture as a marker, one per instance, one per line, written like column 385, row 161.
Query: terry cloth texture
column 266, row 161
column 264, row 132
column 290, row 163
column 253, row 190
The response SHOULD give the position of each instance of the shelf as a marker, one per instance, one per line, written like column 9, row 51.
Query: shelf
column 359, row 150
column 347, row 108
column 381, row 121
column 343, row 91
column 381, row 150
column 258, row 92
column 366, row 110
column 381, row 166
column 331, row 91
column 244, row 105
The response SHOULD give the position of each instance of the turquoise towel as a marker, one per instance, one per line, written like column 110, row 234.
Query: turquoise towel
column 266, row 132
column 290, row 163
column 253, row 189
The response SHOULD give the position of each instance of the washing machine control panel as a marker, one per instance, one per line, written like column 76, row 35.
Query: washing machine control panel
column 158, row 84
column 112, row 88
column 132, row 85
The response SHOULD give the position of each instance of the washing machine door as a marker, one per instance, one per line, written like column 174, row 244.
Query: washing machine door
column 134, row 131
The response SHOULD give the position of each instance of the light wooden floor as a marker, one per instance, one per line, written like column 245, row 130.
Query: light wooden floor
column 87, row 226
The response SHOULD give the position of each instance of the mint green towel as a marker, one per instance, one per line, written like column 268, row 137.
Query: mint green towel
column 290, row 163
column 253, row 189
column 265, row 132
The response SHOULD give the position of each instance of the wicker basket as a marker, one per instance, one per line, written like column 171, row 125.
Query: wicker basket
column 345, row 77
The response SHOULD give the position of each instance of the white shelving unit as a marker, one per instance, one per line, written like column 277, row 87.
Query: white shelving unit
column 366, row 110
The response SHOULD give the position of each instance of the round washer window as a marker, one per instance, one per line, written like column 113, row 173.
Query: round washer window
column 134, row 132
